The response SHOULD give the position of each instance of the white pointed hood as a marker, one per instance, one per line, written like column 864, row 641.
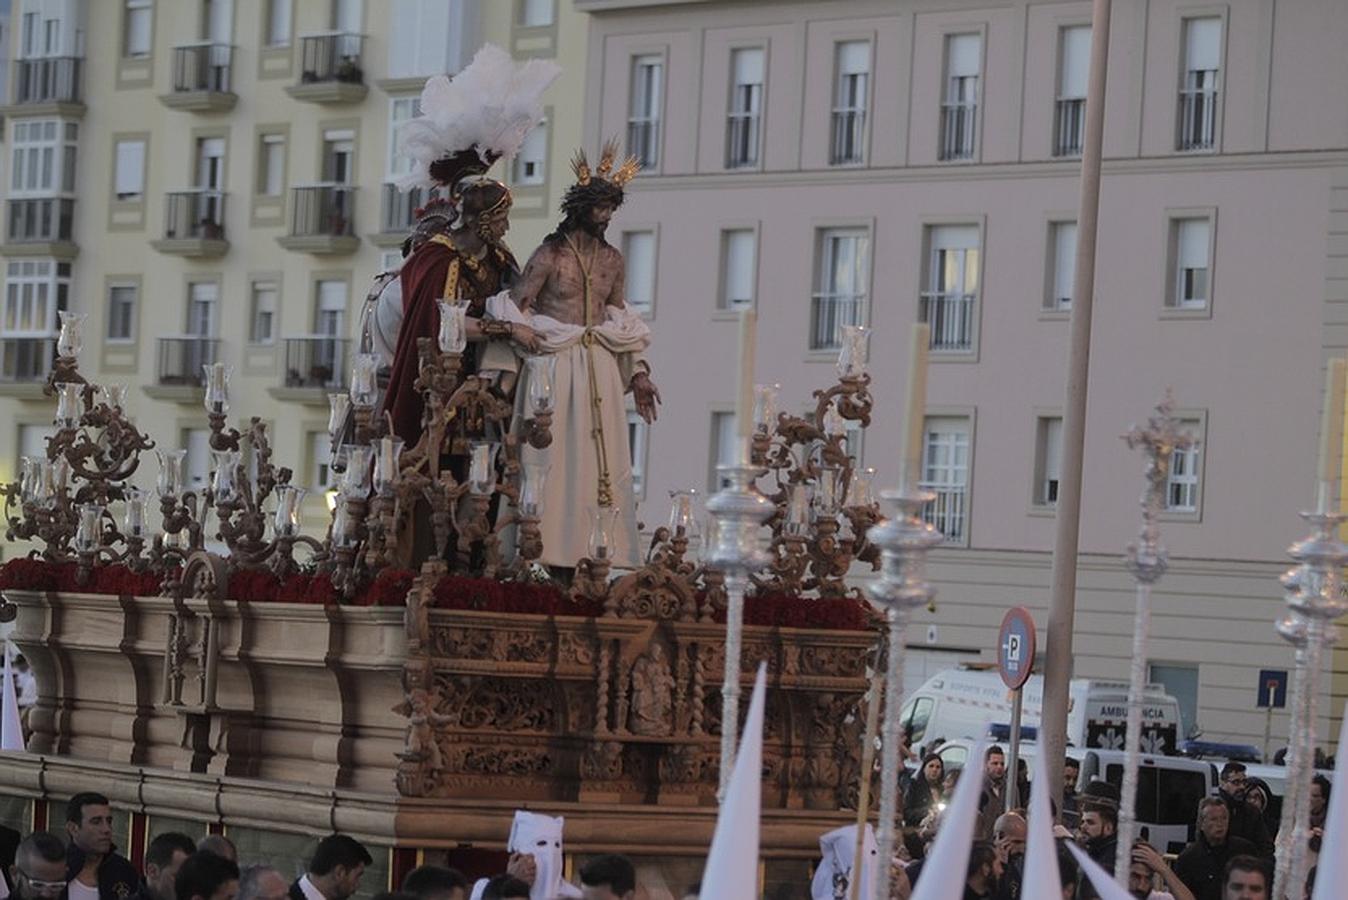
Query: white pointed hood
column 1332, row 872
column 542, row 836
column 838, row 849
column 1041, row 877
column 1102, row 881
column 732, row 862
column 11, row 727
column 946, row 864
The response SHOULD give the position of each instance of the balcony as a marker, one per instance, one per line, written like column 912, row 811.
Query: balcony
column 958, row 130
column 315, row 366
column 848, row 143
column 24, row 364
column 1198, row 113
column 1070, row 127
column 178, row 375
column 397, row 216
column 742, row 141
column 194, row 224
column 202, row 78
column 48, row 86
column 321, row 220
column 829, row 313
column 951, row 317
column 331, row 69
column 40, row 226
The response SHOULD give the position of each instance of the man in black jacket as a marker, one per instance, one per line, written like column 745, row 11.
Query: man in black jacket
column 94, row 869
column 1201, row 864
column 163, row 858
column 1247, row 820
column 39, row 868
column 334, row 871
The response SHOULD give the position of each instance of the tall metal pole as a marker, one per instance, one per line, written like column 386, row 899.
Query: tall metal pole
column 1062, row 603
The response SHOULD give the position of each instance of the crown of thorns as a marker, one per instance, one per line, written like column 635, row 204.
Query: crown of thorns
column 625, row 172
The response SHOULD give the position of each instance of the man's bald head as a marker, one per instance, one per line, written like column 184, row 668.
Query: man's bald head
column 1009, row 833
column 220, row 846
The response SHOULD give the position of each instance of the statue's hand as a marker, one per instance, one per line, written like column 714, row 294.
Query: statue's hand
column 526, row 337
column 646, row 395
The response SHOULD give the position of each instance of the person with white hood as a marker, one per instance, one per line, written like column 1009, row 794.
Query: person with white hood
column 541, row 837
column 838, row 849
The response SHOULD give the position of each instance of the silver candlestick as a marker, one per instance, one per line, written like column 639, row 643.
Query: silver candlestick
column 904, row 540
column 739, row 510
column 1314, row 599
column 1147, row 561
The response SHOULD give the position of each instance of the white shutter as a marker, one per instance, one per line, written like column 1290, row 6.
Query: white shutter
column 332, row 296
column 1192, row 252
column 954, row 237
column 536, row 13
column 1064, row 259
column 197, row 465
column 346, row 16
column 130, row 177
column 33, row 440
column 854, row 58
column 1202, row 44
column 220, row 21
column 639, row 256
column 278, row 23
column 748, row 66
column 964, row 54
column 1076, row 62
column 740, row 253
column 138, row 19
column 1052, row 449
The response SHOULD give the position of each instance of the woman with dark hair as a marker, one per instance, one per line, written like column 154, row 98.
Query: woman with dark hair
column 1259, row 795
column 926, row 790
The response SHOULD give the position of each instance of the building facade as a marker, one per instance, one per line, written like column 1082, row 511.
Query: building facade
column 213, row 181
column 882, row 163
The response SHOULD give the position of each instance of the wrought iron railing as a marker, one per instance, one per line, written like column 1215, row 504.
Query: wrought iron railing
column 317, row 361
column 742, row 137
column 1198, row 115
column 958, row 124
column 949, row 511
column 49, row 79
column 951, row 317
column 332, row 57
column 398, row 211
column 829, row 312
column 194, row 214
column 1069, row 131
column 849, row 134
column 323, row 210
column 202, row 67
column 179, row 359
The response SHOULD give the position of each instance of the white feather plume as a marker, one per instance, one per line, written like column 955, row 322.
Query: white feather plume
column 492, row 104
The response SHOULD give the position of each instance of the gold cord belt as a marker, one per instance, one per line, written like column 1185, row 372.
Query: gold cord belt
column 605, row 497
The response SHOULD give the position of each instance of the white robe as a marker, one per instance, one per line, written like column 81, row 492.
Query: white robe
column 572, row 487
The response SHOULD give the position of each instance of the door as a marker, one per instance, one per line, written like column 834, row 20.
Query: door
column 330, row 325
column 198, row 348
column 210, row 181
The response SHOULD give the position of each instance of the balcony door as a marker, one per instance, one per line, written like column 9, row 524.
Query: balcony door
column 330, row 327
column 210, row 179
column 202, row 300
column 339, row 151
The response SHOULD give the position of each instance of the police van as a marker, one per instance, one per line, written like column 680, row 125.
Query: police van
column 967, row 703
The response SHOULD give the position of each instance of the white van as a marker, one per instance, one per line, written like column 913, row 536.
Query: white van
column 968, row 703
column 1168, row 787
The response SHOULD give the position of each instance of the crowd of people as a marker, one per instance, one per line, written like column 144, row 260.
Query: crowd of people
column 1229, row 858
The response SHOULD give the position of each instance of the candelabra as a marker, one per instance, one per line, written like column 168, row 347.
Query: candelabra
column 739, row 510
column 904, row 541
column 1146, row 561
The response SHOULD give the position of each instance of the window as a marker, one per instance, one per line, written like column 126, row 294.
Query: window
column 1180, row 682
column 739, row 264
column 914, row 718
column 35, row 291
column 536, row 13
column 841, row 276
column 330, row 309
column 1198, row 92
column 746, row 108
column 339, row 150
column 723, row 447
column 947, row 305
column 1048, row 460
column 530, row 165
column 851, row 83
column 959, row 110
column 1182, row 487
column 262, row 315
column 136, row 24
column 271, row 165
column 202, row 299
column 197, row 463
column 639, row 256
column 945, row 472
column 400, row 110
column 637, row 434
column 1062, row 248
column 1191, row 249
column 643, row 120
column 129, row 177
column 122, row 313
column 43, row 158
column 1074, row 61
column 278, row 23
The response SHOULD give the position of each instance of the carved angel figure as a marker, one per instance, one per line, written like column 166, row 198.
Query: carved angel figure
column 420, row 744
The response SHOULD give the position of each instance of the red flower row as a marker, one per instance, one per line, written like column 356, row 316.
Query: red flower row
column 390, row 587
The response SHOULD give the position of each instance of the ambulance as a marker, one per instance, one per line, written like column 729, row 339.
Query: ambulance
column 975, row 703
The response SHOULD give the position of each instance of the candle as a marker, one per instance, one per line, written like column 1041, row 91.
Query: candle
column 1331, row 422
column 744, row 405
column 914, row 412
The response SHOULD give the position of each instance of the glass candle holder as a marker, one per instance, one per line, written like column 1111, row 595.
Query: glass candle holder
column 71, row 339
column 44, row 483
column 60, row 474
column 531, row 490
column 113, row 396
column 69, row 404
column 861, row 492
column 217, row 388
column 224, row 481
column 825, row 500
column 542, row 372
column 603, row 530
column 286, row 522
column 682, row 512
column 88, row 531
column 339, row 405
column 482, row 467
column 852, row 353
column 452, row 336
column 27, row 477
column 386, row 464
column 833, row 421
column 364, row 382
column 356, row 478
column 798, row 511
column 169, row 484
column 133, row 518
column 765, row 407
